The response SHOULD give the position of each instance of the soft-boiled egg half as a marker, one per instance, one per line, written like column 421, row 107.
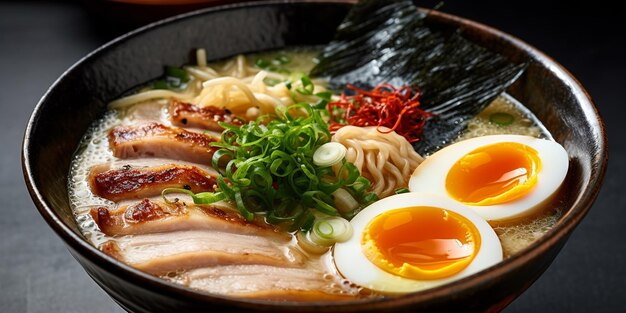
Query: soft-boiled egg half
column 500, row 177
column 414, row 241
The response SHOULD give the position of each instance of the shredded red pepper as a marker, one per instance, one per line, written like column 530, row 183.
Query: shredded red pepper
column 384, row 106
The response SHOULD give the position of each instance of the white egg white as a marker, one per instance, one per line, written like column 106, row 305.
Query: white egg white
column 430, row 176
column 355, row 266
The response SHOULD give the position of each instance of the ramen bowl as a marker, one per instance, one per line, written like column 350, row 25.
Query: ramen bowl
column 80, row 95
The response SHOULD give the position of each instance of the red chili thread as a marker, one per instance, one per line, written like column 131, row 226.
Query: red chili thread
column 383, row 106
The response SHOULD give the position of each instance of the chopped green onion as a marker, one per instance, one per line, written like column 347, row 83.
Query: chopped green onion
column 305, row 242
column 369, row 198
column 329, row 154
column 327, row 231
column 242, row 207
column 307, row 86
column 275, row 65
column 269, row 168
column 177, row 73
column 261, row 63
column 360, row 185
column 344, row 201
column 402, row 190
column 175, row 78
column 501, row 118
column 198, row 198
column 160, row 84
column 321, row 105
column 324, row 229
column 304, row 221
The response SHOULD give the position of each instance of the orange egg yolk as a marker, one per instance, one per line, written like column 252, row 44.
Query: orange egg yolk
column 421, row 242
column 494, row 174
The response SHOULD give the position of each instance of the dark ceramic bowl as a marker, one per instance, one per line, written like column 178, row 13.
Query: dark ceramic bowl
column 79, row 97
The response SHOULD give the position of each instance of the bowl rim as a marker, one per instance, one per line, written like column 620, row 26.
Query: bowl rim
column 563, row 228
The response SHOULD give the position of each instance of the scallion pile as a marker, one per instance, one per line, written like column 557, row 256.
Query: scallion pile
column 267, row 168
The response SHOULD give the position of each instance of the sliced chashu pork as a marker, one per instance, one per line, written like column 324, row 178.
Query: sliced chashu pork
column 158, row 140
column 268, row 282
column 140, row 182
column 188, row 115
column 163, row 253
column 148, row 216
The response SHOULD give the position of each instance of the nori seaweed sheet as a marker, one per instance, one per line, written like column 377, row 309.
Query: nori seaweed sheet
column 389, row 42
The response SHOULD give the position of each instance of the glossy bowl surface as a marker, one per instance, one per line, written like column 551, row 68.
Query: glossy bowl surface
column 80, row 95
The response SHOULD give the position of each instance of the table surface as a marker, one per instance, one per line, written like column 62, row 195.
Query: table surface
column 39, row 40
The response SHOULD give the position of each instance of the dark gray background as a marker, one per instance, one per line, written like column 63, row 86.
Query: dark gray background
column 39, row 40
